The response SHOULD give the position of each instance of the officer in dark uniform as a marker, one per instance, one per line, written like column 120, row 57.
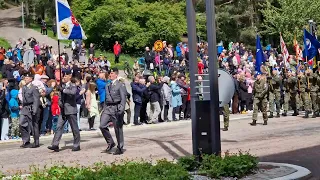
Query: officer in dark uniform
column 29, row 115
column 68, row 103
column 116, row 97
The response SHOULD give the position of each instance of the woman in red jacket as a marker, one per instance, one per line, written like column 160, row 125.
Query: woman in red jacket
column 55, row 110
column 116, row 51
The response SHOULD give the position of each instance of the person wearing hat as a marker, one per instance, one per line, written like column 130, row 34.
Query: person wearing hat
column 291, row 93
column 304, row 90
column 69, row 112
column 116, row 98
column 29, row 113
column 260, row 101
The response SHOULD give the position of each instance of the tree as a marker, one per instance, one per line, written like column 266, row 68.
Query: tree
column 289, row 17
column 134, row 23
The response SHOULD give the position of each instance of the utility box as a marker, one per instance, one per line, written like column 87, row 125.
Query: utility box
column 203, row 127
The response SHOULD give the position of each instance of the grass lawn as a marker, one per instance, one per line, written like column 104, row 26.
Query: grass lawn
column 4, row 43
column 50, row 33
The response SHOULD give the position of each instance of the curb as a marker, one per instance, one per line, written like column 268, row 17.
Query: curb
column 301, row 173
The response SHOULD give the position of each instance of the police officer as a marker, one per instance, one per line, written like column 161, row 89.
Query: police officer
column 68, row 113
column 29, row 115
column 116, row 97
column 260, row 89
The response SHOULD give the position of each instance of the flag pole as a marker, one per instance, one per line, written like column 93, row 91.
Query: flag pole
column 59, row 61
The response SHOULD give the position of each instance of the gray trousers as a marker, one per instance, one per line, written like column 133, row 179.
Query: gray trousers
column 117, row 121
column 155, row 110
column 28, row 124
column 72, row 119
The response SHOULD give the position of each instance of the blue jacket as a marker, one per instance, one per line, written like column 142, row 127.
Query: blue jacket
column 137, row 92
column 101, row 86
column 13, row 103
column 176, row 94
column 178, row 49
column 9, row 54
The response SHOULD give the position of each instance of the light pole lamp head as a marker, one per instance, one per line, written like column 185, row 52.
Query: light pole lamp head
column 310, row 21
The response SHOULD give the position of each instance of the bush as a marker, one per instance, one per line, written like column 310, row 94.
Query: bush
column 232, row 165
column 128, row 170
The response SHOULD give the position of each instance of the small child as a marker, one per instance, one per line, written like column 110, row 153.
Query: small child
column 14, row 113
column 55, row 110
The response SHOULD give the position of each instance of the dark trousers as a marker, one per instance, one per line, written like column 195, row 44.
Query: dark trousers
column 166, row 112
column 183, row 107
column 116, row 58
column 143, row 113
column 161, row 107
column 33, row 126
column 175, row 111
column 44, row 32
column 235, row 104
column 72, row 119
column 91, row 121
column 117, row 121
column 188, row 110
column 137, row 109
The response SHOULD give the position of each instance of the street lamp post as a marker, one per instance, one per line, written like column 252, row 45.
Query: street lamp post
column 22, row 13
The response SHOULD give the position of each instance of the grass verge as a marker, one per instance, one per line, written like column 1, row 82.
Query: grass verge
column 4, row 43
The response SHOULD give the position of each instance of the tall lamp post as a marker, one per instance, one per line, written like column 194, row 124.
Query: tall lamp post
column 22, row 14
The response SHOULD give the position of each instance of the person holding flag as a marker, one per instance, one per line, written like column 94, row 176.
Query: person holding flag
column 260, row 88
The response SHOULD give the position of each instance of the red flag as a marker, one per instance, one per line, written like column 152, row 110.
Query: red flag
column 284, row 50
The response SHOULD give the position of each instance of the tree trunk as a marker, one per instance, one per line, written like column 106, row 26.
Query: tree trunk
column 27, row 12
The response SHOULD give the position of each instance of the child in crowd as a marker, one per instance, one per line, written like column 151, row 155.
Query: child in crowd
column 14, row 113
column 55, row 109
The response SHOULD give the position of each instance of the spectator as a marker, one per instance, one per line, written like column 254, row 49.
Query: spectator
column 176, row 99
column 116, row 51
column 137, row 93
column 92, row 50
column 154, row 90
column 166, row 94
column 101, row 86
column 184, row 95
column 14, row 113
column 148, row 58
column 55, row 109
column 92, row 104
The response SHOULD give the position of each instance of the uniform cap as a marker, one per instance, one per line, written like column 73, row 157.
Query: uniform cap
column 113, row 70
column 44, row 77
column 28, row 75
column 68, row 72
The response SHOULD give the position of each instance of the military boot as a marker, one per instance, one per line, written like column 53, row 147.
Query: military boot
column 284, row 113
column 225, row 129
column 254, row 123
column 306, row 115
column 278, row 115
column 265, row 123
column 314, row 115
column 271, row 115
column 295, row 113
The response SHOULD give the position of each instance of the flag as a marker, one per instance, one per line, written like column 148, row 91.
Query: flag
column 311, row 45
column 259, row 55
column 284, row 50
column 297, row 48
column 67, row 25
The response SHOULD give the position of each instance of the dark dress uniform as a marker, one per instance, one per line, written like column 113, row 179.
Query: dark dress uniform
column 68, row 113
column 113, row 111
column 29, row 115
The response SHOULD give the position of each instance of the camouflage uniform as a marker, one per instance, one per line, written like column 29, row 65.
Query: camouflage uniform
column 304, row 92
column 274, row 94
column 316, row 77
column 314, row 88
column 291, row 88
column 260, row 101
column 226, row 114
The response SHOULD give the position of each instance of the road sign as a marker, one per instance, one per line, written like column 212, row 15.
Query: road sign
column 158, row 46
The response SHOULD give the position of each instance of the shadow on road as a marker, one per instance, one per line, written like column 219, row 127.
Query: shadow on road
column 307, row 157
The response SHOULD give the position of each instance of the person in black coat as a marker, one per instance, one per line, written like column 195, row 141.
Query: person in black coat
column 148, row 57
column 243, row 94
column 4, row 108
column 50, row 70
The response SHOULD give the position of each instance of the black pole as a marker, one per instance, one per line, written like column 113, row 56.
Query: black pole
column 59, row 61
column 213, row 76
column 192, row 44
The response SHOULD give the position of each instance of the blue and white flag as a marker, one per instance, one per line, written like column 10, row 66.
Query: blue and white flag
column 67, row 25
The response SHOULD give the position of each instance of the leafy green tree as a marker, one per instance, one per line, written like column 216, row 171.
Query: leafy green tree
column 289, row 17
column 134, row 23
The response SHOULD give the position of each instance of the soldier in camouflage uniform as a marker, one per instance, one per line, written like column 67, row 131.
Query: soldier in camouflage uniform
column 260, row 101
column 274, row 92
column 316, row 77
column 226, row 114
column 291, row 93
column 314, row 88
column 304, row 91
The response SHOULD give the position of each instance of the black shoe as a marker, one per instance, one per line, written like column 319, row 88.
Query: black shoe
column 54, row 148
column 76, row 148
column 109, row 148
column 26, row 145
column 176, row 120
column 270, row 116
column 278, row 115
column 137, row 124
column 254, row 123
column 92, row 129
column 284, row 114
column 265, row 123
column 118, row 152
column 35, row 145
column 295, row 113
column 225, row 129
